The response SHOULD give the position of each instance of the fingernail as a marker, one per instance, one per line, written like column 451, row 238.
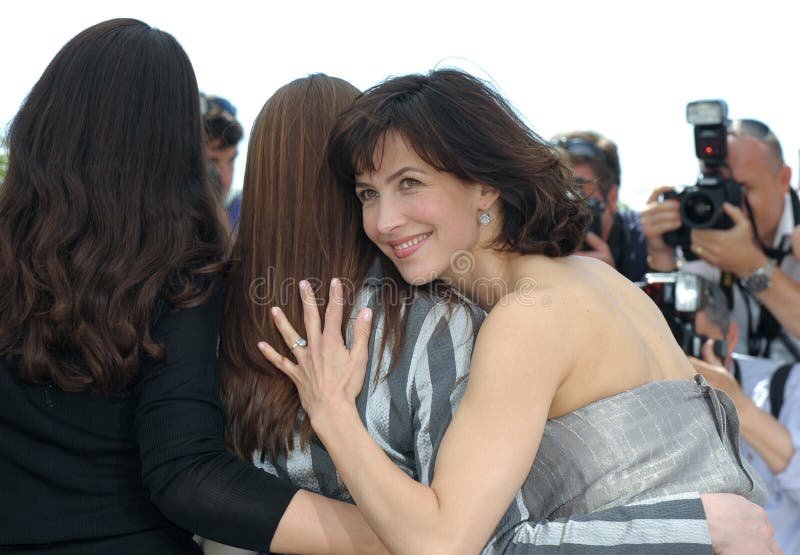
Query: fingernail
column 335, row 295
column 275, row 310
column 262, row 346
column 303, row 285
column 368, row 315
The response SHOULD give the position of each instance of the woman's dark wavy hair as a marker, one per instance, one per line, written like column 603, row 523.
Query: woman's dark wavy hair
column 106, row 208
column 459, row 124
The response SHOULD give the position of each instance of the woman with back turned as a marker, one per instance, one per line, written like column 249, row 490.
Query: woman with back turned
column 112, row 248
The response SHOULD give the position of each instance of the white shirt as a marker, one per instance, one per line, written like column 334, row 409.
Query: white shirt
column 739, row 314
column 783, row 489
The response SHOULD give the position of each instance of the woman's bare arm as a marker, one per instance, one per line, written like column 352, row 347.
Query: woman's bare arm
column 487, row 451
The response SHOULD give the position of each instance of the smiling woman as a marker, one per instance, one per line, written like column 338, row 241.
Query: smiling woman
column 443, row 166
column 414, row 207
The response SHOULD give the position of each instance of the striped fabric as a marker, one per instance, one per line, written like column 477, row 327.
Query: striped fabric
column 408, row 413
column 667, row 525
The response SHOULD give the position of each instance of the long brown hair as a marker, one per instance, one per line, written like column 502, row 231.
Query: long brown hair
column 459, row 124
column 295, row 223
column 106, row 208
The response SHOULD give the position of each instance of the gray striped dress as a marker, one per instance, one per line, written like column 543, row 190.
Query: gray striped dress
column 408, row 414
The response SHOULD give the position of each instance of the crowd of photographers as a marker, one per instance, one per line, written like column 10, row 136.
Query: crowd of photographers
column 718, row 259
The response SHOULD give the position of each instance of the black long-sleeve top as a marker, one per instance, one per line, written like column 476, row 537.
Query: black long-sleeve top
column 137, row 472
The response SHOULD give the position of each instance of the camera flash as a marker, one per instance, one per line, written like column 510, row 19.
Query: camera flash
column 707, row 112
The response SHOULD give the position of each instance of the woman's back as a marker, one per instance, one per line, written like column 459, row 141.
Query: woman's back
column 619, row 338
column 132, row 472
column 71, row 468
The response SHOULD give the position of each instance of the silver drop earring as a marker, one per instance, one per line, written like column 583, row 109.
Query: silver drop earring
column 485, row 218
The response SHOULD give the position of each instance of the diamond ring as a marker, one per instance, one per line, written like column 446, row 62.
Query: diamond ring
column 299, row 342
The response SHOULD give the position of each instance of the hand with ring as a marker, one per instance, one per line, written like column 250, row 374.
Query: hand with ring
column 328, row 376
column 299, row 342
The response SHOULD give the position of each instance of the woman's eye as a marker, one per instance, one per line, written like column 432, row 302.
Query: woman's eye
column 407, row 182
column 366, row 194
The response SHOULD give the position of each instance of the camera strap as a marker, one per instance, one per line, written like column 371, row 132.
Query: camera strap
column 767, row 329
column 760, row 339
column 618, row 241
column 726, row 281
column 777, row 384
column 785, row 246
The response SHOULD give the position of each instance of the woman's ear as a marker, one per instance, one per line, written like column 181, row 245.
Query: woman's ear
column 488, row 196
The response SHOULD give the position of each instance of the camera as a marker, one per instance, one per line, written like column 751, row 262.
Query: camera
column 679, row 296
column 701, row 203
column 597, row 207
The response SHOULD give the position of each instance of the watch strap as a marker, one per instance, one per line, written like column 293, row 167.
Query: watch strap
column 760, row 278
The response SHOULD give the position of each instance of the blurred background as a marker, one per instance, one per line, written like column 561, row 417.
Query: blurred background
column 623, row 68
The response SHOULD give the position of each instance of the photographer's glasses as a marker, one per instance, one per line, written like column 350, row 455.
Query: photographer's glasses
column 581, row 148
column 581, row 181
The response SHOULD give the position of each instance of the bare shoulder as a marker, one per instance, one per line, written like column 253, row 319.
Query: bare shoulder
column 560, row 306
column 530, row 330
column 556, row 291
column 535, row 301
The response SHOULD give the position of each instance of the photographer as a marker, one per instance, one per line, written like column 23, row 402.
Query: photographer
column 767, row 398
column 223, row 132
column 752, row 260
column 615, row 235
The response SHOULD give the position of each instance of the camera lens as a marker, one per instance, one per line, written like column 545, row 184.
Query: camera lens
column 698, row 209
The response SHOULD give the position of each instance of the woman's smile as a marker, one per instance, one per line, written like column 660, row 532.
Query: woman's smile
column 403, row 248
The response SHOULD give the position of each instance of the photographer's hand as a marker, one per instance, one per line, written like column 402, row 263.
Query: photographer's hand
column 769, row 437
column 735, row 250
column 600, row 249
column 731, row 250
column 659, row 218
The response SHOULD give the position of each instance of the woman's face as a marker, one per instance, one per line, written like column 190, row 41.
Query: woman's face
column 418, row 216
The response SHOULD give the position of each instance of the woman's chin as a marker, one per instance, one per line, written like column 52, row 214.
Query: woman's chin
column 418, row 278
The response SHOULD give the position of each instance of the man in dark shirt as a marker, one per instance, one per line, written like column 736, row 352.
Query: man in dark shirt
column 615, row 235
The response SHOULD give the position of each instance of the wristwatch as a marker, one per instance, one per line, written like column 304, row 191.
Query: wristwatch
column 760, row 278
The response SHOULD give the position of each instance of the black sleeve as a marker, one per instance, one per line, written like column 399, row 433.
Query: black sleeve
column 193, row 480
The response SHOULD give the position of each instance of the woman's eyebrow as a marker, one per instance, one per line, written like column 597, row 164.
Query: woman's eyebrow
column 405, row 169
column 395, row 175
